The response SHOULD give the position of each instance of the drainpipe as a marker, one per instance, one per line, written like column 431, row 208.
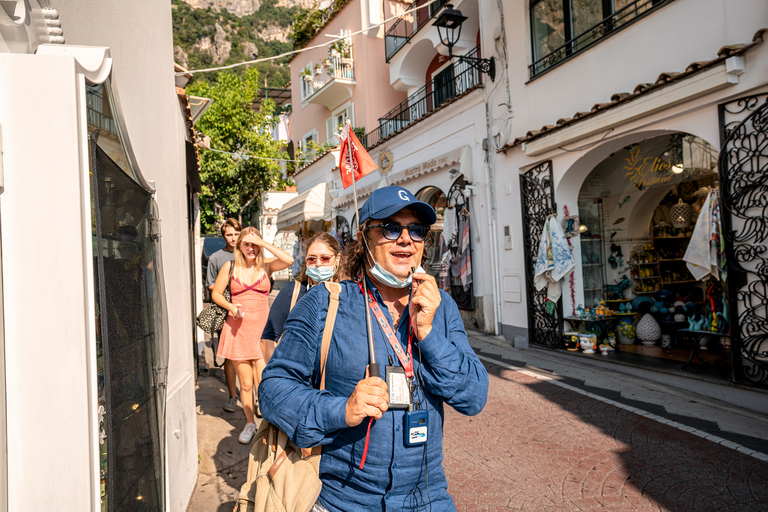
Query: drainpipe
column 491, row 198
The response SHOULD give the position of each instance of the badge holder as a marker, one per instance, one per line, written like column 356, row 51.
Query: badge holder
column 399, row 390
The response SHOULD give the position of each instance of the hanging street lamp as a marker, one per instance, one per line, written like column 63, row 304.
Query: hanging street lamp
column 449, row 29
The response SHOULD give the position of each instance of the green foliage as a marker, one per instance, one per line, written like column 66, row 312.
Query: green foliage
column 308, row 22
column 232, row 182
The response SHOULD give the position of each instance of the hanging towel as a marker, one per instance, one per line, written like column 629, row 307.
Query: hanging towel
column 461, row 264
column 704, row 255
column 554, row 259
column 449, row 225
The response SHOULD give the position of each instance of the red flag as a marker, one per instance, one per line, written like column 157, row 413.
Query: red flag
column 361, row 162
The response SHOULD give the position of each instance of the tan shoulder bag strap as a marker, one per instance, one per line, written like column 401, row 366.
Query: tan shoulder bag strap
column 295, row 296
column 330, row 320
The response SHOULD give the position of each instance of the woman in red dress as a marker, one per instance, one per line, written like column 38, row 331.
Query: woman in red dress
column 248, row 312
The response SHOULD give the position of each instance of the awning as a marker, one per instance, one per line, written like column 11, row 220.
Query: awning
column 312, row 205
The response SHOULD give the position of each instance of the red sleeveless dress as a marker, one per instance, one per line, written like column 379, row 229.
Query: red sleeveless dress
column 240, row 336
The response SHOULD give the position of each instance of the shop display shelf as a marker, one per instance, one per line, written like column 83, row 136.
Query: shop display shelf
column 592, row 239
column 671, row 237
column 591, row 264
column 637, row 292
column 671, row 259
column 618, row 300
column 593, row 289
column 649, row 277
column 650, row 263
column 681, row 282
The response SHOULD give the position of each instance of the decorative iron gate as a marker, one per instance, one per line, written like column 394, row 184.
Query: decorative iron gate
column 538, row 202
column 744, row 191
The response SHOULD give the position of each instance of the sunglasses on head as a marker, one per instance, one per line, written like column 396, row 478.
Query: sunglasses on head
column 393, row 230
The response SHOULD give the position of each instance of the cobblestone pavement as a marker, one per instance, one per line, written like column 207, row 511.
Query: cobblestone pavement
column 542, row 447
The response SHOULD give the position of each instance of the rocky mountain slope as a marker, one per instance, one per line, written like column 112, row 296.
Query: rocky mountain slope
column 211, row 33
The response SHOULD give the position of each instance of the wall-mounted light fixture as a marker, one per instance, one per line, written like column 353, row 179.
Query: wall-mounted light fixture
column 449, row 29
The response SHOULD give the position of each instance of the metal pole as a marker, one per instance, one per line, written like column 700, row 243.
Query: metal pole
column 373, row 368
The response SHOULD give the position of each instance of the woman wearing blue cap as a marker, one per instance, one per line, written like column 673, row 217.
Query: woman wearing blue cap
column 424, row 358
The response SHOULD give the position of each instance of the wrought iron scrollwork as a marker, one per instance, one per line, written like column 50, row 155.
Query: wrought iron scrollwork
column 744, row 191
column 538, row 201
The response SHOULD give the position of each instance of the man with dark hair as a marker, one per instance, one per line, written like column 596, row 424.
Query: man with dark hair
column 230, row 230
column 394, row 461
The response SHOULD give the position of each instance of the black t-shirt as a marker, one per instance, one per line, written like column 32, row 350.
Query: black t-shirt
column 280, row 310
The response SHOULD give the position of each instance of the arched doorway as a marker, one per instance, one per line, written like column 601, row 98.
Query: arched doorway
column 637, row 214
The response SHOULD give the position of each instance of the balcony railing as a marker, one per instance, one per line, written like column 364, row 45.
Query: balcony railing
column 331, row 69
column 618, row 20
column 406, row 27
column 424, row 101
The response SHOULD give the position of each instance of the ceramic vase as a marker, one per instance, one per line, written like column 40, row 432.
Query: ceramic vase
column 648, row 330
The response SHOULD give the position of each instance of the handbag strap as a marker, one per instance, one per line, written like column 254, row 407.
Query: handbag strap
column 330, row 319
column 295, row 296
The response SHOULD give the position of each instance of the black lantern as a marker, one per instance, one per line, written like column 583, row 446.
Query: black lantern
column 449, row 29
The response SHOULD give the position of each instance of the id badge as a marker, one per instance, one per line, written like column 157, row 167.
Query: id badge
column 416, row 423
column 399, row 390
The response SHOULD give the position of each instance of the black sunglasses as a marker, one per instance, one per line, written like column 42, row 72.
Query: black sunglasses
column 393, row 230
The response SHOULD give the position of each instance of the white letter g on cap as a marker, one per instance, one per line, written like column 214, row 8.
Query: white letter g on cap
column 403, row 195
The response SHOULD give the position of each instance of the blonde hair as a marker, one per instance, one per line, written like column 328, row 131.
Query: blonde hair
column 240, row 258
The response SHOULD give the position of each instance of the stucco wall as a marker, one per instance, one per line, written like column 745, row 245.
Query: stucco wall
column 669, row 39
column 139, row 35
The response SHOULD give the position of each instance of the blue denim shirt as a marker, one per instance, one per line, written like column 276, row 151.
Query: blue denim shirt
column 395, row 475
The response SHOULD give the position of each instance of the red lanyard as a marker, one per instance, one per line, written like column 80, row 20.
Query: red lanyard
column 405, row 359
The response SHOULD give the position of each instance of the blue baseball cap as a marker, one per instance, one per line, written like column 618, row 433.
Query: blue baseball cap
column 390, row 200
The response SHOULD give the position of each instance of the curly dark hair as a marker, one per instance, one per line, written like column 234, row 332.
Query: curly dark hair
column 355, row 255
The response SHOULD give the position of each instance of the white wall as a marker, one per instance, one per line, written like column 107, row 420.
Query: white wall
column 667, row 40
column 49, row 327
column 139, row 34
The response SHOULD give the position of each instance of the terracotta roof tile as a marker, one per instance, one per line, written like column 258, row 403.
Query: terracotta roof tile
column 624, row 97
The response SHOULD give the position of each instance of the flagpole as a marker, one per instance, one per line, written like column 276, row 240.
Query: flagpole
column 373, row 367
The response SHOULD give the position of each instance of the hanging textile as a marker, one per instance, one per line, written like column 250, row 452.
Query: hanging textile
column 461, row 264
column 554, row 259
column 705, row 254
column 298, row 257
column 449, row 225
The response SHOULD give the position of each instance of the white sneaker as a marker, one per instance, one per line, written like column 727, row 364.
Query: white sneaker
column 247, row 434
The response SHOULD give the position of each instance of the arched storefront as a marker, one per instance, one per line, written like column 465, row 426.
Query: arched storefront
column 450, row 256
column 633, row 238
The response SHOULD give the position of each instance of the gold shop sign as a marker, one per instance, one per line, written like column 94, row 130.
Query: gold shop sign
column 646, row 171
column 427, row 166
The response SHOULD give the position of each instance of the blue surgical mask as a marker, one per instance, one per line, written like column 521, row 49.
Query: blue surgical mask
column 387, row 278
column 319, row 274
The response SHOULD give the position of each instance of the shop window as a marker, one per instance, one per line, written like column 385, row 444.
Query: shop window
column 449, row 257
column 129, row 351
column 637, row 213
column 561, row 28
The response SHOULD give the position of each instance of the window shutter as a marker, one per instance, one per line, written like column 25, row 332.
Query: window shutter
column 329, row 127
column 351, row 114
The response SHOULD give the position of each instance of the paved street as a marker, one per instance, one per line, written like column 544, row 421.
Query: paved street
column 542, row 447
column 556, row 435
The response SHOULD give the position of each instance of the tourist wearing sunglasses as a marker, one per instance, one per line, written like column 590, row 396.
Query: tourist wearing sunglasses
column 417, row 333
column 320, row 264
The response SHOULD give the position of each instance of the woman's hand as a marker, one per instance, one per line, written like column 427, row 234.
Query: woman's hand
column 233, row 309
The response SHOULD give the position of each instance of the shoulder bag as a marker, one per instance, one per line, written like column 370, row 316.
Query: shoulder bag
column 282, row 477
column 211, row 319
